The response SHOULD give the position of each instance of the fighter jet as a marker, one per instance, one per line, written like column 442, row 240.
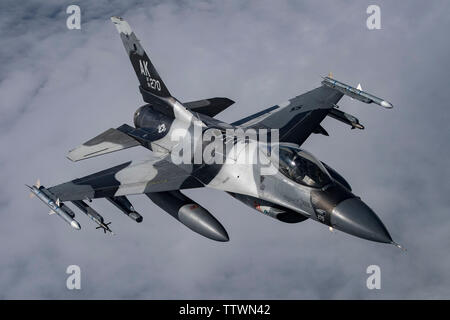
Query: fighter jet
column 286, row 182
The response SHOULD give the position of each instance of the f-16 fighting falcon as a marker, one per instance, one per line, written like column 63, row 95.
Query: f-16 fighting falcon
column 285, row 182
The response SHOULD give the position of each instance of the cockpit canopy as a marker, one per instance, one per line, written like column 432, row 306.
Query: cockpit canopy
column 301, row 167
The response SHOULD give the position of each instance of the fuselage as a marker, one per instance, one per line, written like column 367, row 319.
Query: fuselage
column 290, row 185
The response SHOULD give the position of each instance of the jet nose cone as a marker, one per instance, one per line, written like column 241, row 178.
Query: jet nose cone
column 354, row 217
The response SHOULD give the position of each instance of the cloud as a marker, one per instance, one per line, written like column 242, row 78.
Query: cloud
column 60, row 87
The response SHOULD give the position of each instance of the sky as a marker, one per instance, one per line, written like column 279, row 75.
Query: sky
column 61, row 87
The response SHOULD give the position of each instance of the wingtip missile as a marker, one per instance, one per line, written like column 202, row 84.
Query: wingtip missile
column 386, row 104
column 56, row 206
column 75, row 224
column 355, row 93
column 37, row 184
column 31, row 195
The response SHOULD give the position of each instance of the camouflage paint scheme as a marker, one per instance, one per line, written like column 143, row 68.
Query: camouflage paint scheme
column 276, row 195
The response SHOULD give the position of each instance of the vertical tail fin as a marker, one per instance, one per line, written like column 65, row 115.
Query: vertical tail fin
column 149, row 78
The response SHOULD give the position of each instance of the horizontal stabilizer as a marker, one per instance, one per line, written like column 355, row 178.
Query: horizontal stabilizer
column 210, row 107
column 109, row 141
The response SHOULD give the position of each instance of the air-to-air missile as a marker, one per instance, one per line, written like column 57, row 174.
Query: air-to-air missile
column 93, row 215
column 354, row 92
column 189, row 213
column 55, row 205
column 126, row 207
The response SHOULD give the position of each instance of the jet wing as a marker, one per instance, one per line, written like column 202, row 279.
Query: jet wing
column 155, row 175
column 297, row 118
column 209, row 107
column 109, row 141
